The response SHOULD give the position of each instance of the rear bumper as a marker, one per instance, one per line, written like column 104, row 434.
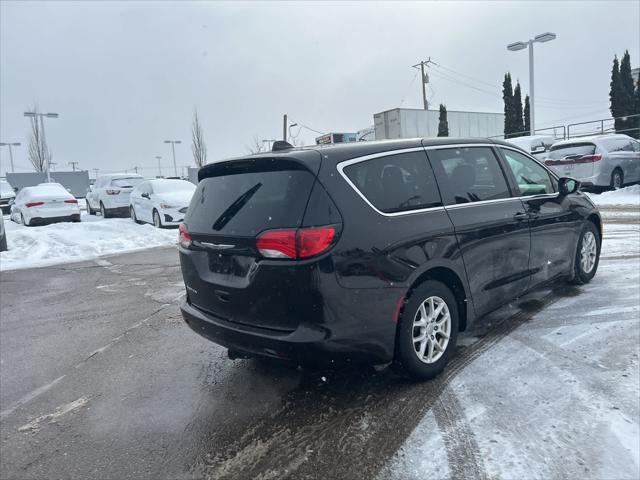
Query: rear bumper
column 308, row 345
column 48, row 220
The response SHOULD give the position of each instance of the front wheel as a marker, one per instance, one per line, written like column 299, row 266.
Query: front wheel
column 90, row 210
column 428, row 331
column 103, row 211
column 587, row 254
column 132, row 214
column 156, row 219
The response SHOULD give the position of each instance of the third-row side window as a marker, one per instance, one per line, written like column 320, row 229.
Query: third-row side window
column 396, row 183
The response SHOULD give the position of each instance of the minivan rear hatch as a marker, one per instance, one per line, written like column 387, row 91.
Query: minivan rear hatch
column 235, row 202
column 575, row 159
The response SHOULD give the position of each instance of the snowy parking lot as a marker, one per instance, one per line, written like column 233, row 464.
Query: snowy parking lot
column 102, row 379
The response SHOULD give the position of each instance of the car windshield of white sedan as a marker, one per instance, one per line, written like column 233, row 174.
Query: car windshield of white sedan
column 168, row 186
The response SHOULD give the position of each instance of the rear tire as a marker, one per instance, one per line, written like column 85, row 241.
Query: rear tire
column 90, row 210
column 104, row 212
column 132, row 214
column 24, row 222
column 617, row 179
column 3, row 243
column 587, row 255
column 428, row 331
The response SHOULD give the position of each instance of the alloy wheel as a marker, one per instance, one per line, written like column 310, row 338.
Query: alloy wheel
column 156, row 220
column 431, row 329
column 588, row 252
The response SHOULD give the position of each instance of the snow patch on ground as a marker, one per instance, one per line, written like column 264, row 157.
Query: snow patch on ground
column 625, row 196
column 72, row 242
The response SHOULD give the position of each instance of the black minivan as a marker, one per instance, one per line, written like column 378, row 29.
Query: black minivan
column 375, row 252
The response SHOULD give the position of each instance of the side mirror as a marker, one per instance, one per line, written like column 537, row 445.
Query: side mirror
column 538, row 149
column 568, row 185
column 146, row 195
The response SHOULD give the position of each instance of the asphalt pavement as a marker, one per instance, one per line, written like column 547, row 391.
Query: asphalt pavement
column 100, row 378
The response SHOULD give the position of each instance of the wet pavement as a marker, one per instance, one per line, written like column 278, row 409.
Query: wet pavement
column 100, row 378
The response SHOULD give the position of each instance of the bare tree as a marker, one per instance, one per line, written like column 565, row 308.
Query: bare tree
column 198, row 146
column 38, row 150
column 257, row 146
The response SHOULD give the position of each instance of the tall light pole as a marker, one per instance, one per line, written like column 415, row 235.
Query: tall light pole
column 40, row 116
column 14, row 144
column 514, row 47
column 173, row 151
column 158, row 157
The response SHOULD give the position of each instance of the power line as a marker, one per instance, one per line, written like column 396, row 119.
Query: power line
column 409, row 88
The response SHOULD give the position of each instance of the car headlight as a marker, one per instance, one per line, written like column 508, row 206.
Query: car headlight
column 165, row 205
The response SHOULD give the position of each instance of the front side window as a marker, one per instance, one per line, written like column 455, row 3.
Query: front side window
column 470, row 174
column 531, row 177
column 396, row 183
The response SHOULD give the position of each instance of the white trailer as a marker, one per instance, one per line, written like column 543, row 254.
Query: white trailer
column 412, row 123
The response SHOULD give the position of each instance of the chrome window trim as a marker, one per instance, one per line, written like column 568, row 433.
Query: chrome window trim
column 345, row 163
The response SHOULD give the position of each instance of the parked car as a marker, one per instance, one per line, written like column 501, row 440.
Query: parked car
column 110, row 193
column 375, row 252
column 3, row 236
column 43, row 204
column 536, row 145
column 162, row 202
column 6, row 196
column 601, row 161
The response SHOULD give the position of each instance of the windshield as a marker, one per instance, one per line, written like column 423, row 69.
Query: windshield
column 170, row 186
column 571, row 150
column 5, row 188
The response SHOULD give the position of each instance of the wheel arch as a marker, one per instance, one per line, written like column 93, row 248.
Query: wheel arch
column 451, row 279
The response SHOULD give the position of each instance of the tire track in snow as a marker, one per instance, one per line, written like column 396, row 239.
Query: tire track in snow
column 351, row 425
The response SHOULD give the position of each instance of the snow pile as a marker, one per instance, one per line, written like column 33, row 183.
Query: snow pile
column 72, row 242
column 624, row 196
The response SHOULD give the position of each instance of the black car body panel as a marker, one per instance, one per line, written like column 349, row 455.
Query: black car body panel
column 343, row 304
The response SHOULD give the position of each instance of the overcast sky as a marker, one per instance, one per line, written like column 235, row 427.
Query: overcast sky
column 124, row 76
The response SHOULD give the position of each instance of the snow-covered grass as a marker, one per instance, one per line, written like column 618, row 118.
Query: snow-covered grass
column 625, row 196
column 72, row 242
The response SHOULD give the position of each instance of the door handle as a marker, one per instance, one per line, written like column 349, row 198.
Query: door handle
column 521, row 216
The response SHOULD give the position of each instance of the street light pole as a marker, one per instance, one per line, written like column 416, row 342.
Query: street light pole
column 14, row 144
column 158, row 157
column 514, row 47
column 173, row 152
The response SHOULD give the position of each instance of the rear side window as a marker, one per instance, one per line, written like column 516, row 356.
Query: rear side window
column 470, row 174
column 396, row 183
column 616, row 145
column 247, row 200
column 576, row 150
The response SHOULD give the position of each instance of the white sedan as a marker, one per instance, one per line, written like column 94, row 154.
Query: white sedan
column 162, row 202
column 44, row 203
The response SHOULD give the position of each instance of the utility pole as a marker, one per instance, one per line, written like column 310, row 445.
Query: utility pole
column 284, row 127
column 14, row 144
column 424, row 80
column 158, row 157
column 73, row 165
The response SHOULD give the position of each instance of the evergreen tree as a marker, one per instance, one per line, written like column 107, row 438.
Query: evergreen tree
column 527, row 114
column 518, row 123
column 615, row 94
column 627, row 97
column 507, row 96
column 637, row 110
column 443, row 124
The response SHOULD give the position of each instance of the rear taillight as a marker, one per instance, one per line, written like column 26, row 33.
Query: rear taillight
column 113, row 192
column 184, row 237
column 295, row 244
column 33, row 204
column 589, row 158
column 71, row 201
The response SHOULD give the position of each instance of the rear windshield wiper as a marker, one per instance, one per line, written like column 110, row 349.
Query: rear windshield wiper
column 235, row 207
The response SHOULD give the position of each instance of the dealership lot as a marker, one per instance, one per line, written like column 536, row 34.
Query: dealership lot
column 100, row 377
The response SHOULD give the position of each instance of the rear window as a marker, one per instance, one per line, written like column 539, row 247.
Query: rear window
column 126, row 182
column 396, row 183
column 573, row 149
column 245, row 201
